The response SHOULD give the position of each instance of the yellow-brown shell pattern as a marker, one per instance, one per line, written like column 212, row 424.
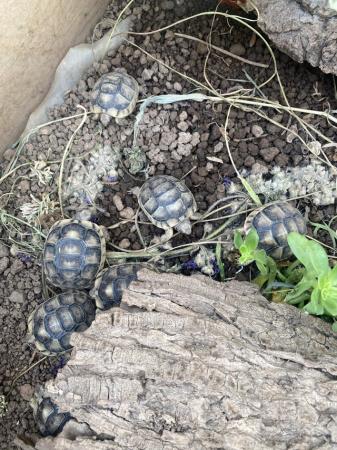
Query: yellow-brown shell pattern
column 273, row 223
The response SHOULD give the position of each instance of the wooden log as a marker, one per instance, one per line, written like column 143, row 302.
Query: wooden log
column 190, row 363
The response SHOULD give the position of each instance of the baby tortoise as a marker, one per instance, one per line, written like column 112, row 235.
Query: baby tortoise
column 51, row 324
column 115, row 94
column 273, row 223
column 74, row 253
column 169, row 204
column 49, row 419
column 109, row 286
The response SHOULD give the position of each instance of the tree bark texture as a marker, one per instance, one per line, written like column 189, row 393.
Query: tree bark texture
column 304, row 29
column 190, row 363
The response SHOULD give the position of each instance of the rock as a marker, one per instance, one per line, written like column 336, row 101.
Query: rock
column 147, row 74
column 16, row 297
column 218, row 147
column 249, row 161
column 117, row 201
column 4, row 263
column 4, row 250
column 178, row 87
column 24, row 186
column 184, row 138
column 195, row 139
column 127, row 213
column 26, row 392
column 168, row 5
column 237, row 49
column 258, row 168
column 17, row 266
column 167, row 138
column 8, row 154
column 124, row 243
column 257, row 131
column 183, row 116
column 183, row 126
column 268, row 154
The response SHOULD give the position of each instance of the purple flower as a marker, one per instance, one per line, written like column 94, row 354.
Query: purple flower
column 189, row 265
column 24, row 257
column 112, row 178
column 215, row 266
column 94, row 219
column 59, row 364
column 226, row 182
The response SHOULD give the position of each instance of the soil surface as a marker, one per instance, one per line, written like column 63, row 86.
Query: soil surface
column 178, row 139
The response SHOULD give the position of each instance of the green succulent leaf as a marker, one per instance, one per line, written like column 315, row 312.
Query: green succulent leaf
column 329, row 300
column 252, row 239
column 238, row 241
column 298, row 292
column 333, row 276
column 314, row 306
column 334, row 327
column 310, row 253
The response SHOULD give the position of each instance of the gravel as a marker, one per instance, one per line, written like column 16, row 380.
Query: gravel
column 176, row 138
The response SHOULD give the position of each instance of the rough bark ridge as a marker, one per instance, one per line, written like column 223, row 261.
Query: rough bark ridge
column 304, row 29
column 189, row 363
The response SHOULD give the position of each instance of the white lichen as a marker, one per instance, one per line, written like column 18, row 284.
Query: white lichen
column 87, row 179
column 315, row 180
column 32, row 211
column 42, row 172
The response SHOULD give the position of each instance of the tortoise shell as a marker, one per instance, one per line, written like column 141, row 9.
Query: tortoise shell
column 109, row 286
column 115, row 94
column 48, row 418
column 74, row 253
column 53, row 321
column 166, row 201
column 273, row 223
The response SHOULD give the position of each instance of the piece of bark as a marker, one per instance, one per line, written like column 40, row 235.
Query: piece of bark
column 304, row 29
column 190, row 363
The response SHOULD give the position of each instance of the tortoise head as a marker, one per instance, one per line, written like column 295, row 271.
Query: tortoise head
column 184, row 227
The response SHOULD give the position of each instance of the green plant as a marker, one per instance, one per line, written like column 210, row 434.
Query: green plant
column 317, row 289
column 249, row 253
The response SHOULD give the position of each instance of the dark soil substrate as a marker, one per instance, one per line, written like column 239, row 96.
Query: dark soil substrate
column 165, row 131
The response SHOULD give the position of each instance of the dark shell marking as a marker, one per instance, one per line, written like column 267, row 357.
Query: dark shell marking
column 110, row 285
column 273, row 223
column 53, row 321
column 48, row 418
column 74, row 252
column 166, row 201
column 115, row 94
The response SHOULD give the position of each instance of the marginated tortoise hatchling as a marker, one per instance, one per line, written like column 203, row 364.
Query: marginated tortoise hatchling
column 115, row 94
column 109, row 286
column 74, row 252
column 168, row 203
column 273, row 223
column 53, row 321
column 48, row 417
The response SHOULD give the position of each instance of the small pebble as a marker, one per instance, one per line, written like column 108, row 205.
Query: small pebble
column 4, row 263
column 16, row 297
column 237, row 49
column 4, row 250
column 257, row 131
column 26, row 392
column 117, row 201
column 268, row 154
column 127, row 213
column 124, row 243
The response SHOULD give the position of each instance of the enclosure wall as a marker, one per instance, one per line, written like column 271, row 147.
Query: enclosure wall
column 34, row 36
